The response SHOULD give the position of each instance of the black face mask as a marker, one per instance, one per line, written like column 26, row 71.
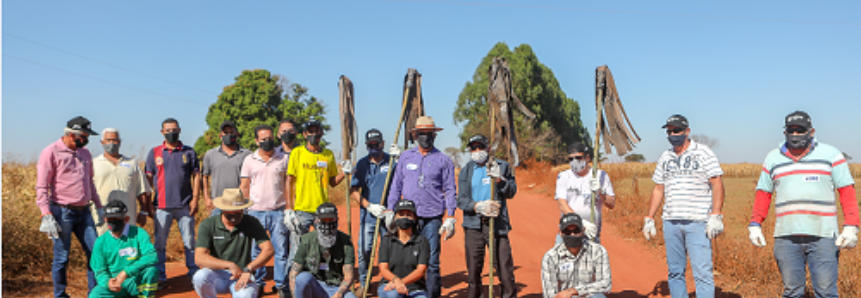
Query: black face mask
column 234, row 218
column 572, row 241
column 313, row 139
column 228, row 140
column 288, row 137
column 116, row 226
column 81, row 142
column 267, row 145
column 426, row 141
column 171, row 137
column 797, row 141
column 405, row 223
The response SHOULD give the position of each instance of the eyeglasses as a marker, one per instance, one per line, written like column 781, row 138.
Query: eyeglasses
column 576, row 157
column 675, row 131
column 575, row 230
column 477, row 146
column 797, row 129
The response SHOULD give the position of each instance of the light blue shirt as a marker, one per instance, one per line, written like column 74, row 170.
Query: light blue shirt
column 480, row 184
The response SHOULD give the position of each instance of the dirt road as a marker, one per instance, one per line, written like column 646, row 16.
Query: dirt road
column 636, row 271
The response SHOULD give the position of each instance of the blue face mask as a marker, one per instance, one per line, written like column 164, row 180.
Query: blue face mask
column 677, row 140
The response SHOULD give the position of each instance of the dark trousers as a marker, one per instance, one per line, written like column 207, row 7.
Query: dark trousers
column 476, row 241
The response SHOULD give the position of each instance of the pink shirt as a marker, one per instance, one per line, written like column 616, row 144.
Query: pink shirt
column 268, row 180
column 65, row 177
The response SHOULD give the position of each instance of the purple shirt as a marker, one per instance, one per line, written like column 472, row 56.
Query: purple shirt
column 426, row 180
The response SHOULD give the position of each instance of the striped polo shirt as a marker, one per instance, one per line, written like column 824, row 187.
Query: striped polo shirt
column 687, row 191
column 805, row 202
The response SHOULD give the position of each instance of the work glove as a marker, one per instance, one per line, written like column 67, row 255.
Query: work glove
column 389, row 216
column 50, row 226
column 394, row 150
column 447, row 228
column 848, row 239
column 595, row 186
column 649, row 229
column 291, row 221
column 756, row 236
column 347, row 167
column 376, row 209
column 100, row 212
column 714, row 226
column 493, row 170
column 487, row 208
column 590, row 229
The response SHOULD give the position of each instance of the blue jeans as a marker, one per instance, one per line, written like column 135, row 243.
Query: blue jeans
column 366, row 245
column 794, row 253
column 394, row 293
column 309, row 287
column 306, row 220
column 683, row 238
column 163, row 220
column 81, row 224
column 209, row 283
column 429, row 227
column 273, row 222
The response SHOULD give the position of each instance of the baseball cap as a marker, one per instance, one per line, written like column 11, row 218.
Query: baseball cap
column 798, row 118
column 82, row 124
column 327, row 210
column 578, row 147
column 677, row 121
column 570, row 219
column 405, row 205
column 225, row 124
column 312, row 122
column 115, row 209
column 373, row 135
column 478, row 138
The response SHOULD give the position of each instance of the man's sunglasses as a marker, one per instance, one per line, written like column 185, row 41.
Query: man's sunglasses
column 575, row 230
column 477, row 146
column 675, row 131
column 576, row 157
column 796, row 130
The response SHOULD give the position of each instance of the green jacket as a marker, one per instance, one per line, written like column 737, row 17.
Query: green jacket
column 131, row 253
column 326, row 267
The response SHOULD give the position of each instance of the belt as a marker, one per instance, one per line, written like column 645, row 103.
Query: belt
column 76, row 208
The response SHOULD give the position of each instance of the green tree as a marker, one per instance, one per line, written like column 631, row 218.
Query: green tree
column 635, row 157
column 557, row 121
column 258, row 97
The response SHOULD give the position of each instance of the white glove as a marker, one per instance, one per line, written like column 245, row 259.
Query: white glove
column 50, row 226
column 756, row 236
column 487, row 208
column 714, row 226
column 394, row 150
column 493, row 170
column 347, row 167
column 291, row 221
column 649, row 228
column 595, row 186
column 376, row 209
column 101, row 214
column 848, row 239
column 447, row 228
column 590, row 229
column 389, row 216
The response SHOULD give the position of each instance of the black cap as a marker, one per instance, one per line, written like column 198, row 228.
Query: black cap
column 570, row 219
column 798, row 118
column 327, row 210
column 478, row 138
column 578, row 147
column 677, row 121
column 312, row 122
column 373, row 135
column 225, row 124
column 115, row 209
column 82, row 124
column 405, row 205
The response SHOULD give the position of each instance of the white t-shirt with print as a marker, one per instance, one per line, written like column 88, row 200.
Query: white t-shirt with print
column 577, row 192
column 687, row 189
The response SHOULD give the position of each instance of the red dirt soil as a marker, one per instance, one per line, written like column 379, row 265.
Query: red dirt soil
column 637, row 271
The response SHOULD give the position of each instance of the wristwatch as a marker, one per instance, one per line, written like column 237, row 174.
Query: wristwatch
column 246, row 270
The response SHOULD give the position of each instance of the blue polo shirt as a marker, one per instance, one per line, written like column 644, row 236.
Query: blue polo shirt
column 480, row 184
column 172, row 171
column 371, row 179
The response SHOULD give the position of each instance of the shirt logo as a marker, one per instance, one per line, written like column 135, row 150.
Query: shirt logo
column 415, row 253
column 129, row 252
column 485, row 181
column 218, row 237
column 566, row 267
column 811, row 179
column 159, row 160
column 184, row 159
column 412, row 167
column 384, row 169
column 322, row 164
column 125, row 165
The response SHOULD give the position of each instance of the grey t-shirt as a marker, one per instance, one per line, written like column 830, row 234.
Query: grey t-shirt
column 223, row 169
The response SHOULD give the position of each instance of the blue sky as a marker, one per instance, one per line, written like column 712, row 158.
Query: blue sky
column 734, row 68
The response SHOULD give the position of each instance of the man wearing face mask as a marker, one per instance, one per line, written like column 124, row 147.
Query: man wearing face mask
column 323, row 264
column 221, row 165
column 426, row 176
column 576, row 267
column 575, row 186
column 805, row 172
column 224, row 250
column 473, row 197
column 689, row 176
column 124, row 259
column 172, row 169
column 264, row 182
column 287, row 135
column 119, row 178
column 404, row 256
column 64, row 190
column 366, row 188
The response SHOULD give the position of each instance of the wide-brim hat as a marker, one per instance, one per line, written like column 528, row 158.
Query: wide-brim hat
column 232, row 200
column 425, row 122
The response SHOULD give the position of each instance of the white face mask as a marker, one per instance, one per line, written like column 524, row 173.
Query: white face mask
column 479, row 156
column 578, row 165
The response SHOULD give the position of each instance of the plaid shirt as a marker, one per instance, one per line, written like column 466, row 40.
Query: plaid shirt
column 588, row 272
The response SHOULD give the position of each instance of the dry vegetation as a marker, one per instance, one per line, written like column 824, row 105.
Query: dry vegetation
column 740, row 267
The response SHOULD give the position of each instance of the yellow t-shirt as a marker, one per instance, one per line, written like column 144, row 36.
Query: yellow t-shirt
column 312, row 172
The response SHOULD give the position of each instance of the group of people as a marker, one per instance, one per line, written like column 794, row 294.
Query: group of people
column 264, row 203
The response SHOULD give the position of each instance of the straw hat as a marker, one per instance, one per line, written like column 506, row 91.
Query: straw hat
column 426, row 122
column 232, row 200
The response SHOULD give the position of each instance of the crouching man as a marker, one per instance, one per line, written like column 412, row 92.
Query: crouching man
column 224, row 246
column 123, row 259
column 323, row 264
column 576, row 267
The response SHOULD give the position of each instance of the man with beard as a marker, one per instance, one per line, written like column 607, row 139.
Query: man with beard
column 323, row 264
column 575, row 267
